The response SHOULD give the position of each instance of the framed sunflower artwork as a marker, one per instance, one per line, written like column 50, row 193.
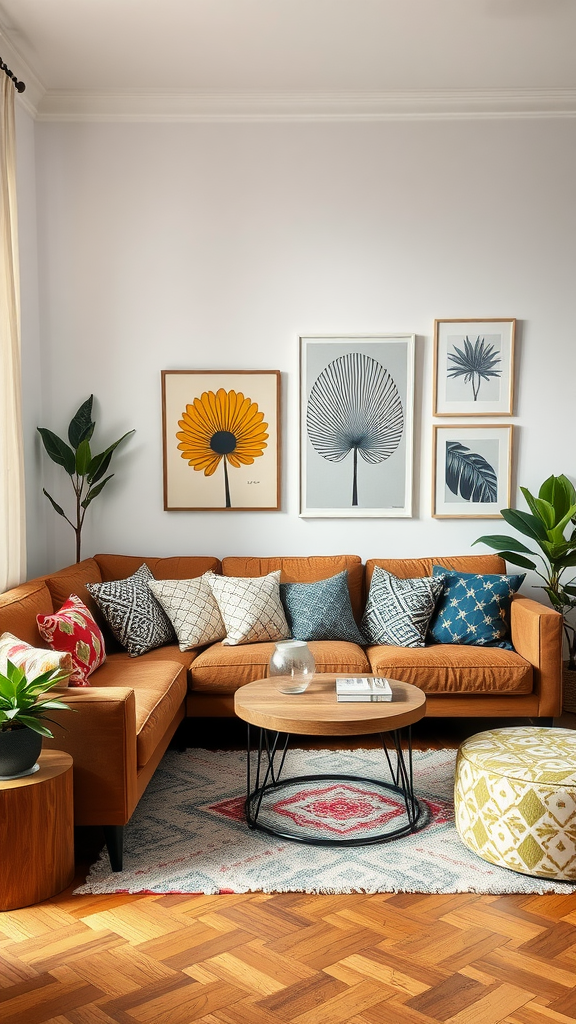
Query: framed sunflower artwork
column 221, row 433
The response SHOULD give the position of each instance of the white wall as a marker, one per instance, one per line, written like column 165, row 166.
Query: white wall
column 190, row 246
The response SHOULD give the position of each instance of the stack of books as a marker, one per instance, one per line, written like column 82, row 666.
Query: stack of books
column 363, row 689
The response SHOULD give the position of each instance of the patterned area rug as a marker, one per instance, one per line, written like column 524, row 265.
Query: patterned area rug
column 188, row 833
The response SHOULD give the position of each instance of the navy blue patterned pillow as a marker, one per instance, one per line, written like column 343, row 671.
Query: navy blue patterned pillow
column 321, row 611
column 473, row 608
column 398, row 611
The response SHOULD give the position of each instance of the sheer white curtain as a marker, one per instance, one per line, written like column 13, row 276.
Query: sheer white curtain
column 12, row 507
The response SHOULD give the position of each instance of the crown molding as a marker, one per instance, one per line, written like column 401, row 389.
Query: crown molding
column 32, row 96
column 175, row 106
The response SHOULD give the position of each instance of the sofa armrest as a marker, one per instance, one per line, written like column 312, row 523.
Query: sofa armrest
column 537, row 637
column 100, row 734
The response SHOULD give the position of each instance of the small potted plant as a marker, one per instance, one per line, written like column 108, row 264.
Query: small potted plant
column 22, row 714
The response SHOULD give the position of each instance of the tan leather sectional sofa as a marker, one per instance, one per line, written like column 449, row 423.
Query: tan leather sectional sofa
column 128, row 716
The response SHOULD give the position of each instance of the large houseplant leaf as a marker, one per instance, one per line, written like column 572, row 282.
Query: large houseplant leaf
column 58, row 450
column 81, row 425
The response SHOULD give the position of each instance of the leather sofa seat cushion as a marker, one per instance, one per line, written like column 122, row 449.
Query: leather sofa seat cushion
column 19, row 608
column 73, row 580
column 454, row 668
column 159, row 690
column 180, row 567
column 411, row 568
column 305, row 570
column 247, row 662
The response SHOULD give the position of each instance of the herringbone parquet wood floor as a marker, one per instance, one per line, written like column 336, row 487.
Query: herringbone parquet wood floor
column 279, row 959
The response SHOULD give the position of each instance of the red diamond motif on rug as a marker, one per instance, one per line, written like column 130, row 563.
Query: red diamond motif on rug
column 341, row 808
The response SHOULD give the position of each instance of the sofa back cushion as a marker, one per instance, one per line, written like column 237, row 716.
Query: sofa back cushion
column 179, row 567
column 19, row 608
column 302, row 569
column 410, row 568
column 73, row 580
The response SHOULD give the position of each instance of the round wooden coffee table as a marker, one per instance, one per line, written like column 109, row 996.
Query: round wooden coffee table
column 286, row 807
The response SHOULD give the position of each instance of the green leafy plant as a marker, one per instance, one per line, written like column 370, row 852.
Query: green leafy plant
column 20, row 703
column 551, row 514
column 475, row 363
column 87, row 472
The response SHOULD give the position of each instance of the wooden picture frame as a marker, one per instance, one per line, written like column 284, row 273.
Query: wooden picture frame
column 472, row 470
column 474, row 367
column 356, row 425
column 221, row 440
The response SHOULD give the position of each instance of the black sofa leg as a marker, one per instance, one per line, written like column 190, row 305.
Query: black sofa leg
column 544, row 721
column 114, row 838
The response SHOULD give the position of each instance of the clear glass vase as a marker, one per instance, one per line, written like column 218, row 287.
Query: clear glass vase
column 292, row 666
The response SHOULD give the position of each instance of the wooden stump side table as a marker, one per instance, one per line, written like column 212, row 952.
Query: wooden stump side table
column 37, row 833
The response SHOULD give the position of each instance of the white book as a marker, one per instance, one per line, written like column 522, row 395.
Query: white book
column 363, row 689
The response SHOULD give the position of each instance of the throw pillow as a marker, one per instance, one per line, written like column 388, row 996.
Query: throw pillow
column 34, row 660
column 473, row 608
column 398, row 610
column 321, row 610
column 192, row 609
column 134, row 615
column 250, row 607
column 72, row 628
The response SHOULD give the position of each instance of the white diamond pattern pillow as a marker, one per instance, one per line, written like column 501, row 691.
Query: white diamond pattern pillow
column 192, row 609
column 398, row 611
column 251, row 607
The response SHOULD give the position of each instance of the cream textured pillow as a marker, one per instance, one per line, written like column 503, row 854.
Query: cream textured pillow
column 251, row 607
column 192, row 609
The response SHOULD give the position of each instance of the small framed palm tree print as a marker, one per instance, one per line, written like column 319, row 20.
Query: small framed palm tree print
column 474, row 367
column 472, row 470
column 221, row 434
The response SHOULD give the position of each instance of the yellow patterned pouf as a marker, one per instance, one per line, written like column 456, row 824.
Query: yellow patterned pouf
column 515, row 799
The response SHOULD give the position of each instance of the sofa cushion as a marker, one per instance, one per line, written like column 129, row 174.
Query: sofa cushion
column 454, row 668
column 192, row 609
column 251, row 608
column 73, row 580
column 72, row 628
column 409, row 568
column 135, row 617
column 19, row 608
column 473, row 608
column 303, row 569
column 221, row 669
column 321, row 610
column 178, row 567
column 398, row 611
column 159, row 691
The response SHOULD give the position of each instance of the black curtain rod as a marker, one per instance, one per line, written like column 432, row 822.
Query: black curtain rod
column 19, row 86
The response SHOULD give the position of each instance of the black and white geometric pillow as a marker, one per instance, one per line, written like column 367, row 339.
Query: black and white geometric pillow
column 398, row 611
column 134, row 615
column 192, row 609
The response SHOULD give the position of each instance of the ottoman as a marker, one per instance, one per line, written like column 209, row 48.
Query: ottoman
column 515, row 799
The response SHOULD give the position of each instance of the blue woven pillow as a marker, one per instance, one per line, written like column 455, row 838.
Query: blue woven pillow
column 473, row 608
column 321, row 610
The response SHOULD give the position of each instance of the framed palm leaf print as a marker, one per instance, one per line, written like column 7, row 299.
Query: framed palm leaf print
column 472, row 471
column 356, row 430
column 474, row 367
column 221, row 435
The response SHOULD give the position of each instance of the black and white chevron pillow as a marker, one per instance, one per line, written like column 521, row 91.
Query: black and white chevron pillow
column 134, row 615
column 398, row 611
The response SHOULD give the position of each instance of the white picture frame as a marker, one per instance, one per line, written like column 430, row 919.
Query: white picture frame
column 356, row 387
column 474, row 367
column 472, row 470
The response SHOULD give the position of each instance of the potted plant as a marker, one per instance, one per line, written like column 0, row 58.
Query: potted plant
column 22, row 714
column 86, row 471
column 551, row 525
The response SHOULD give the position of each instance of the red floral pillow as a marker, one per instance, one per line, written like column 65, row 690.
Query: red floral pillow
column 73, row 629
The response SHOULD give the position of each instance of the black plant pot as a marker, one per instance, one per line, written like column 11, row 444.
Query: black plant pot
column 19, row 750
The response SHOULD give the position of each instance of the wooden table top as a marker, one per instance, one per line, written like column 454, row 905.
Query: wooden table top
column 52, row 763
column 316, row 712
